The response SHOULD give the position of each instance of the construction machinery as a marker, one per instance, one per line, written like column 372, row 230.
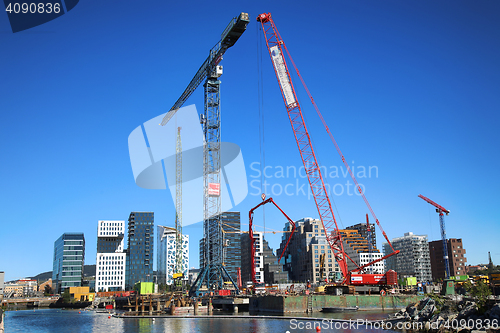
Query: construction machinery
column 252, row 239
column 441, row 211
column 213, row 274
column 277, row 50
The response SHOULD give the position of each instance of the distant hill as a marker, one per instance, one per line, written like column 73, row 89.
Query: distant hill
column 88, row 270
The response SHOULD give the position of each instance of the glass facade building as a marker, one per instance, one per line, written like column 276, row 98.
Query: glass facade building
column 232, row 244
column 140, row 249
column 69, row 255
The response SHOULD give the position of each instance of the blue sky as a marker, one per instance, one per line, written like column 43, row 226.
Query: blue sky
column 408, row 87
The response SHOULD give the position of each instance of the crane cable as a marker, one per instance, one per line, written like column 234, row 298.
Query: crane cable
column 260, row 101
column 328, row 188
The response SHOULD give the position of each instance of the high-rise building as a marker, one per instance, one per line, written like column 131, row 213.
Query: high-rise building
column 413, row 258
column 2, row 276
column 273, row 271
column 68, row 260
column 363, row 231
column 140, row 249
column 246, row 257
column 302, row 256
column 166, row 255
column 232, row 250
column 456, row 258
column 111, row 257
column 267, row 268
column 356, row 247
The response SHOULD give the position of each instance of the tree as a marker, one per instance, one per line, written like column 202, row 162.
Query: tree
column 47, row 290
column 480, row 291
column 66, row 296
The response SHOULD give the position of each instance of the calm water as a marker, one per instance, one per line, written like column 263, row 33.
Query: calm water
column 57, row 320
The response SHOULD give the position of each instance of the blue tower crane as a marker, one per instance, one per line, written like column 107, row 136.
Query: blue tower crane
column 213, row 274
column 440, row 209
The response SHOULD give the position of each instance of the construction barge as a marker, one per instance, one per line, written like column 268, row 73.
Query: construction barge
column 163, row 305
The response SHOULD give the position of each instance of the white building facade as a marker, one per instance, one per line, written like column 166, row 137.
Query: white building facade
column 111, row 258
column 413, row 258
column 166, row 256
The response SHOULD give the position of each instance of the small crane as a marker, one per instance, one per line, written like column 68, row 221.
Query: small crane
column 441, row 210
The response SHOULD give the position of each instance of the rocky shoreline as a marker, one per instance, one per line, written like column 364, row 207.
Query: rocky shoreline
column 448, row 314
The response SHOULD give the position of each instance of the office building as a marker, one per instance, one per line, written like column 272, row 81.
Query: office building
column 267, row 269
column 357, row 248
column 140, row 248
column 273, row 271
column 30, row 287
column 111, row 257
column 362, row 229
column 456, row 258
column 246, row 270
column 166, row 255
column 231, row 245
column 68, row 261
column 302, row 256
column 413, row 259
column 13, row 290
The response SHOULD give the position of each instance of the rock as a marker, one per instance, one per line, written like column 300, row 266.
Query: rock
column 427, row 312
column 494, row 312
column 468, row 309
column 411, row 311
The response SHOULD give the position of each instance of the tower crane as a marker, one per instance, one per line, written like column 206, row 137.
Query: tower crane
column 213, row 273
column 441, row 211
column 178, row 206
column 277, row 49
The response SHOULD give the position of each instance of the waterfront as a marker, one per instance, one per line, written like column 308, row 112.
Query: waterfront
column 58, row 320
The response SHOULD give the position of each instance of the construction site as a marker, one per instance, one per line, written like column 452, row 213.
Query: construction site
column 350, row 271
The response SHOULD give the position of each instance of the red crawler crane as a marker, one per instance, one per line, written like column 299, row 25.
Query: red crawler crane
column 276, row 48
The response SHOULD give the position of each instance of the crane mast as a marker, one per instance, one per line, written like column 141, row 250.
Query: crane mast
column 178, row 203
column 440, row 210
column 213, row 273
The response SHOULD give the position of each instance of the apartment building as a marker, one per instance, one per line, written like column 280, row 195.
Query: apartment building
column 358, row 249
column 456, row 258
column 413, row 259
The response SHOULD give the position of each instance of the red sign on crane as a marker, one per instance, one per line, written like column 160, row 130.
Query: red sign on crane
column 214, row 189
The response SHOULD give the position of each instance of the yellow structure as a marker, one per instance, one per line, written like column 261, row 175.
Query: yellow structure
column 81, row 294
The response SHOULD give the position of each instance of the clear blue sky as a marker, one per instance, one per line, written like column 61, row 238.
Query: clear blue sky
column 409, row 87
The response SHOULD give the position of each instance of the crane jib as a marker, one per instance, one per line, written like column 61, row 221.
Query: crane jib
column 229, row 37
column 284, row 81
